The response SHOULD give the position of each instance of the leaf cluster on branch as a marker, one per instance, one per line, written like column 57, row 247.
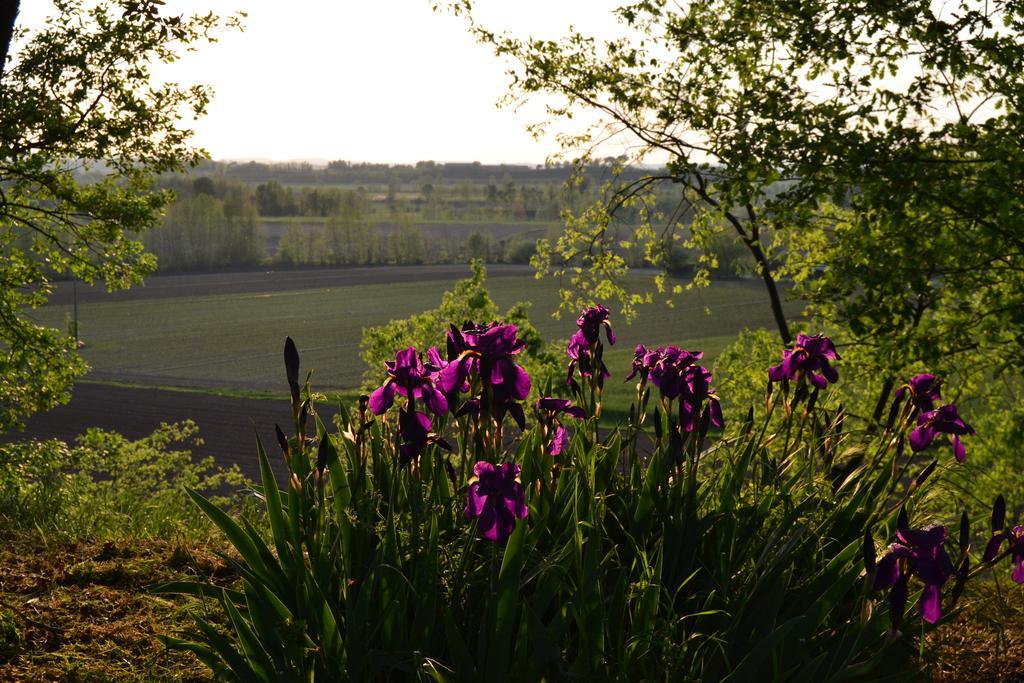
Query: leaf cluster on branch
column 79, row 93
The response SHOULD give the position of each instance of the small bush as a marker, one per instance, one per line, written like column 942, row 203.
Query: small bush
column 110, row 486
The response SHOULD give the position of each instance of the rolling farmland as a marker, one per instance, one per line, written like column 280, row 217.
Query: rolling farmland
column 169, row 334
column 223, row 332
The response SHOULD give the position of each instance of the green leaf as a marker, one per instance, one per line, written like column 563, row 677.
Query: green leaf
column 507, row 601
column 283, row 541
column 749, row 668
column 247, row 546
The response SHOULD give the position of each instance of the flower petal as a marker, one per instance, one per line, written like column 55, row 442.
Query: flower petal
column 553, row 404
column 1018, row 573
column 818, row 380
column 716, row 412
column 958, row 449
column 558, row 441
column 475, row 501
column 931, row 603
column 382, row 398
column 921, row 438
column 831, row 374
column 516, row 411
column 576, row 412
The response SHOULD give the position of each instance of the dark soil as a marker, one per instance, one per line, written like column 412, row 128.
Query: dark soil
column 227, row 425
column 275, row 280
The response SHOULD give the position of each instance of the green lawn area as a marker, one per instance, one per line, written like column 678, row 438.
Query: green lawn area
column 233, row 341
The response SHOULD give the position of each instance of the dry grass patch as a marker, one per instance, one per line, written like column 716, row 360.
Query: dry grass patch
column 80, row 611
column 986, row 641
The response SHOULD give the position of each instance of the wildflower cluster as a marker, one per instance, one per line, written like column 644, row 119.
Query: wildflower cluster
column 409, row 376
column 675, row 373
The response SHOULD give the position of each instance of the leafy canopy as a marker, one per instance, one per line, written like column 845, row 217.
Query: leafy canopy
column 78, row 100
column 872, row 152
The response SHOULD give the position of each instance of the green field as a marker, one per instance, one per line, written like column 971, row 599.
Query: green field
column 233, row 341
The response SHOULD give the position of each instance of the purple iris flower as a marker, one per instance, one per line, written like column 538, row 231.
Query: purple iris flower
column 410, row 377
column 676, row 374
column 496, row 499
column 920, row 552
column 551, row 409
column 923, row 390
column 1016, row 538
column 670, row 369
column 643, row 358
column 582, row 349
column 811, row 356
column 591, row 321
column 434, row 360
column 488, row 351
column 695, row 390
column 944, row 420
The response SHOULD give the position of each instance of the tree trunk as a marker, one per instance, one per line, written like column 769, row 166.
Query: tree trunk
column 8, row 15
column 773, row 290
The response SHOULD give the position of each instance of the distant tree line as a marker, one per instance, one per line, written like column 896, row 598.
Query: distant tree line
column 221, row 221
column 342, row 241
column 203, row 232
column 342, row 172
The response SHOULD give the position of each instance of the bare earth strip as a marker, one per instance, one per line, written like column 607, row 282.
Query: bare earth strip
column 272, row 280
column 227, row 425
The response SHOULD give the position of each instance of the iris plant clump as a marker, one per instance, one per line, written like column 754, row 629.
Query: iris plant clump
column 918, row 398
column 467, row 548
column 677, row 376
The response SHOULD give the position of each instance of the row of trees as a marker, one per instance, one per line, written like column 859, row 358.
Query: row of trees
column 342, row 172
column 434, row 200
column 203, row 232
column 342, row 242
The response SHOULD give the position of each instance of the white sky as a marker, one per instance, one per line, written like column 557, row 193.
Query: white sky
column 368, row 80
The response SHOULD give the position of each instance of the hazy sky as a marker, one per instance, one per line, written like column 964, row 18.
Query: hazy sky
column 374, row 80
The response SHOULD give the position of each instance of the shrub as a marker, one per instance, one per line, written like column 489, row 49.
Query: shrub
column 109, row 486
column 425, row 540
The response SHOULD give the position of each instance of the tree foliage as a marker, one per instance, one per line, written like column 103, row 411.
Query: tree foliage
column 871, row 152
column 78, row 94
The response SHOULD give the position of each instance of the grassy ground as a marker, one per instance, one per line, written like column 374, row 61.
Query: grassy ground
column 233, row 341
